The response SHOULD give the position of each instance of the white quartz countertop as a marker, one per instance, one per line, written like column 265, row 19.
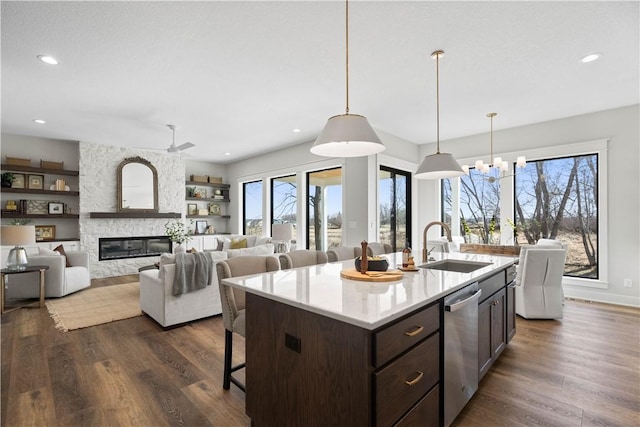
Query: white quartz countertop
column 320, row 289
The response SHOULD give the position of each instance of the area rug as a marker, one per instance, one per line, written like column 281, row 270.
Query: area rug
column 95, row 306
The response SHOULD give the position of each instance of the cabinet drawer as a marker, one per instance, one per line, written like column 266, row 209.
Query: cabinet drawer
column 492, row 284
column 425, row 413
column 402, row 383
column 395, row 339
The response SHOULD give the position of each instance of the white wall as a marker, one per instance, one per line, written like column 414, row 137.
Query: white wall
column 359, row 182
column 621, row 127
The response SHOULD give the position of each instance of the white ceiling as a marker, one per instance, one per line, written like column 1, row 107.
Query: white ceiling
column 239, row 76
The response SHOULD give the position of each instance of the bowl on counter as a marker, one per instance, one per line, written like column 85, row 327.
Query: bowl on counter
column 374, row 264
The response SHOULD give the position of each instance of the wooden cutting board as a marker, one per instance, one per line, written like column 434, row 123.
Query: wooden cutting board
column 371, row 276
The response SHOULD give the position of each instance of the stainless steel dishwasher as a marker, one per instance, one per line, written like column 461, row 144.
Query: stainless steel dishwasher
column 460, row 349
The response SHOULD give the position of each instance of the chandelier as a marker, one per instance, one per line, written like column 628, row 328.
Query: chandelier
column 502, row 166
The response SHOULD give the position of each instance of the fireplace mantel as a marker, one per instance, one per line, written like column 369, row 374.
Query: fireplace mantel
column 135, row 215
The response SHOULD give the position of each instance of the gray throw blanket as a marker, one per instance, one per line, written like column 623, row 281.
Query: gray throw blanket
column 193, row 272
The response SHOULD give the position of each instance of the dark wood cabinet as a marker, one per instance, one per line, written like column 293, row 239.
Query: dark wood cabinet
column 511, row 311
column 304, row 368
column 492, row 321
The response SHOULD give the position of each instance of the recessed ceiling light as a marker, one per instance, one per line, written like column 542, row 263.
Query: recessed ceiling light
column 591, row 57
column 227, row 154
column 48, row 59
column 296, row 130
column 39, row 121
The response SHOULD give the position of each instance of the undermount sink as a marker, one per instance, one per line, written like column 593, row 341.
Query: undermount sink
column 458, row 266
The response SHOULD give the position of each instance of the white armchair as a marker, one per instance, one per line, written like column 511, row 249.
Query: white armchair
column 59, row 280
column 539, row 292
column 159, row 303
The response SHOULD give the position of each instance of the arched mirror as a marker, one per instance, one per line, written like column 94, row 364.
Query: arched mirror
column 137, row 185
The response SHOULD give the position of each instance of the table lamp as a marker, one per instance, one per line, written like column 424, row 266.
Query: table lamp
column 17, row 235
column 282, row 233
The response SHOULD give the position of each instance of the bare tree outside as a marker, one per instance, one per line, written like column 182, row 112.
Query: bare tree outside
column 558, row 199
column 480, row 207
column 284, row 201
column 554, row 199
column 394, row 214
column 324, row 208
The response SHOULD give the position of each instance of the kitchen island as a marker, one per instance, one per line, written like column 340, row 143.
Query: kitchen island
column 322, row 350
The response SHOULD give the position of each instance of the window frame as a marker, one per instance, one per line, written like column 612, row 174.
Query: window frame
column 507, row 199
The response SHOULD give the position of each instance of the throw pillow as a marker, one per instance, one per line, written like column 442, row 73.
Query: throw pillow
column 251, row 240
column 238, row 244
column 60, row 250
column 266, row 249
column 262, row 241
column 165, row 259
column 46, row 251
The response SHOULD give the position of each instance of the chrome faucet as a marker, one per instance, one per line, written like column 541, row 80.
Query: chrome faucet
column 425, row 252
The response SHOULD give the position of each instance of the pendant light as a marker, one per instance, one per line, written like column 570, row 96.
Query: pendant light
column 497, row 164
column 438, row 165
column 347, row 135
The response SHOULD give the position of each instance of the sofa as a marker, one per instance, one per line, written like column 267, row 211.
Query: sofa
column 156, row 285
column 67, row 274
column 159, row 303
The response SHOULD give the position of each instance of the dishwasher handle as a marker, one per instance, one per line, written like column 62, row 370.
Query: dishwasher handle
column 460, row 304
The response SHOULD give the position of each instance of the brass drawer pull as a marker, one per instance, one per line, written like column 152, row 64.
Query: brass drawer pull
column 414, row 332
column 416, row 380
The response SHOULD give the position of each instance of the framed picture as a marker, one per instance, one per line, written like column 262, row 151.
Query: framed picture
column 214, row 209
column 192, row 209
column 18, row 180
column 201, row 227
column 56, row 208
column 45, row 232
column 36, row 182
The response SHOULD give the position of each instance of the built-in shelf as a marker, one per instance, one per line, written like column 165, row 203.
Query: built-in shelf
column 207, row 184
column 32, row 191
column 207, row 199
column 134, row 215
column 30, row 169
column 37, row 216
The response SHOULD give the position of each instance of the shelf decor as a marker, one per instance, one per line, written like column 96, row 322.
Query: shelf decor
column 18, row 180
column 56, row 208
column 45, row 232
column 36, row 182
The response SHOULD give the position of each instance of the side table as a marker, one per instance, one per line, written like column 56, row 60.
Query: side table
column 28, row 269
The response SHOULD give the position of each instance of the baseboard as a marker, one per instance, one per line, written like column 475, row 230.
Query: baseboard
column 590, row 295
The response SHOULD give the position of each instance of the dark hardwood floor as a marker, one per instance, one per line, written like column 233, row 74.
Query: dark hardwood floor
column 581, row 371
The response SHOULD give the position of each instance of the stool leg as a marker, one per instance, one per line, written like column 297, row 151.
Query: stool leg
column 228, row 347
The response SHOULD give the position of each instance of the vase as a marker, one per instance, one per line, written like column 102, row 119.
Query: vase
column 178, row 248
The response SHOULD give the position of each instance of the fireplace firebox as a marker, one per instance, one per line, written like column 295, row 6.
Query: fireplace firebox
column 111, row 248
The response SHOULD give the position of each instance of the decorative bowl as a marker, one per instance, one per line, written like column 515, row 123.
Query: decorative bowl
column 374, row 264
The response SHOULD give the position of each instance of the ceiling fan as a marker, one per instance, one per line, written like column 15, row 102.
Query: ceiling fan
column 177, row 149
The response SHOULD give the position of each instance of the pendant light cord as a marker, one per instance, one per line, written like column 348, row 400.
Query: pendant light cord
column 347, row 52
column 437, row 103
column 436, row 55
column 491, row 116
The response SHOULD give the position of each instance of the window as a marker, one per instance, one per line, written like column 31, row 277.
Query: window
column 324, row 209
column 558, row 199
column 480, row 207
column 284, row 200
column 560, row 194
column 394, row 189
column 252, row 208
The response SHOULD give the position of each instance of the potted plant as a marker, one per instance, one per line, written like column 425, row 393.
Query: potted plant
column 177, row 233
column 7, row 179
